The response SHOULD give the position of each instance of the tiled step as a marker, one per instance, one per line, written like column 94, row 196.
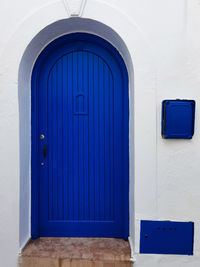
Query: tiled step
column 76, row 252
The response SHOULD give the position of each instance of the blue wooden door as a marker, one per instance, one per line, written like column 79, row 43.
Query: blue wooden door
column 80, row 140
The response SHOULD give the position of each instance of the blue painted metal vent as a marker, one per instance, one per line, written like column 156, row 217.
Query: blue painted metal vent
column 166, row 237
column 178, row 118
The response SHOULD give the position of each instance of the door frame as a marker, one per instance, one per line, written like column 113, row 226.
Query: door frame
column 35, row 173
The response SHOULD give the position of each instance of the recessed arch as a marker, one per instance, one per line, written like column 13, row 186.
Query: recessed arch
column 39, row 42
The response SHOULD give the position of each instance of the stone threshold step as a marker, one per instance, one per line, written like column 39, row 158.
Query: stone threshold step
column 74, row 252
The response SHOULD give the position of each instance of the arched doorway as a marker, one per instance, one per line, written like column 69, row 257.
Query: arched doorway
column 80, row 155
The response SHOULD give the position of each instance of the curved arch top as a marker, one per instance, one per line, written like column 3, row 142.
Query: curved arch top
column 76, row 42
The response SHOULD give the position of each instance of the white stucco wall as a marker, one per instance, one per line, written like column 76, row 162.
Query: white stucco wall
column 163, row 41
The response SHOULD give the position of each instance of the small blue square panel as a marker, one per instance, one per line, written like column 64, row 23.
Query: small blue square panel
column 166, row 237
column 178, row 118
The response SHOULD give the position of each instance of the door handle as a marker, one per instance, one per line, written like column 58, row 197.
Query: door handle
column 45, row 151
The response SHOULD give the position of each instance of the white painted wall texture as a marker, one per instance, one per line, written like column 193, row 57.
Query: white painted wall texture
column 160, row 40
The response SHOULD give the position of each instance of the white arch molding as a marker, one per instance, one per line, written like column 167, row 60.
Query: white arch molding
column 113, row 25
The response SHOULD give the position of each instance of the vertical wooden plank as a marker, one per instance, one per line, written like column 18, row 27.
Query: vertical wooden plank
column 111, row 148
column 118, row 151
column 55, row 143
column 70, row 140
column 50, row 154
column 65, row 137
column 96, row 137
column 125, row 170
column 107, row 142
column 75, row 140
column 60, row 137
column 101, row 139
column 80, row 135
column 86, row 195
column 44, row 182
column 91, row 159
